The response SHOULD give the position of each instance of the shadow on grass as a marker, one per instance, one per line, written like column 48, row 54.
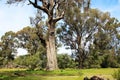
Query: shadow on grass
column 36, row 75
column 19, row 75
column 16, row 77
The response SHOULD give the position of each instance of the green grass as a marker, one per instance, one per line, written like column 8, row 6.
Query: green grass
column 104, row 72
column 13, row 69
column 67, row 74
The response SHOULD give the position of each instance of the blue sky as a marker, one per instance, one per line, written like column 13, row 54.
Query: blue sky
column 112, row 6
column 15, row 17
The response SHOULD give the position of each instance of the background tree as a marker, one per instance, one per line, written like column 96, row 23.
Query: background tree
column 105, row 40
column 78, row 32
column 8, row 47
column 85, row 28
column 29, row 40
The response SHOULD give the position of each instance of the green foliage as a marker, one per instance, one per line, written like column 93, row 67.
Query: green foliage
column 8, row 47
column 78, row 31
column 118, row 57
column 93, row 61
column 65, row 61
column 102, row 58
column 116, row 75
column 105, row 42
column 36, row 61
column 109, row 61
column 29, row 40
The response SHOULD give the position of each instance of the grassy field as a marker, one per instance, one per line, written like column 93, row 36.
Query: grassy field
column 67, row 74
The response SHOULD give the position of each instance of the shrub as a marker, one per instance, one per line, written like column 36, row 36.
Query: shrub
column 65, row 61
column 31, row 61
column 116, row 75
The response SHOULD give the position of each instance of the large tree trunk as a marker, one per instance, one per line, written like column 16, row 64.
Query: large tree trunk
column 51, row 49
column 51, row 8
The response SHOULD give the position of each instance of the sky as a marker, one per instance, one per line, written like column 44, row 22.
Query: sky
column 15, row 17
column 112, row 6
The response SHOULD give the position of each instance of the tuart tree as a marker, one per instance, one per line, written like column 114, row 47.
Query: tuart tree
column 55, row 10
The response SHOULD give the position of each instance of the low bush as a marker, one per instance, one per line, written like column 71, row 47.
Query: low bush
column 116, row 75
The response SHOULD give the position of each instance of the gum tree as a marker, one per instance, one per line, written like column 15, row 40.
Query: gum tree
column 55, row 10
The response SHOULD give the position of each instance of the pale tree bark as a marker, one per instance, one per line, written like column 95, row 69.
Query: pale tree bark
column 51, row 48
column 49, row 7
column 51, row 54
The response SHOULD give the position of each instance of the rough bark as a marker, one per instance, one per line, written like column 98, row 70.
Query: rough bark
column 49, row 7
column 51, row 48
column 51, row 54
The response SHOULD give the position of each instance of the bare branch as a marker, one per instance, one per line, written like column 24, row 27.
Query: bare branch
column 59, row 18
column 55, row 3
column 43, row 8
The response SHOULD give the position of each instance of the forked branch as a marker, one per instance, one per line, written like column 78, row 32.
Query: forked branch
column 43, row 8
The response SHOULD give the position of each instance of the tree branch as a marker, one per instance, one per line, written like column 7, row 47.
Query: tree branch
column 43, row 8
column 55, row 3
column 59, row 18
